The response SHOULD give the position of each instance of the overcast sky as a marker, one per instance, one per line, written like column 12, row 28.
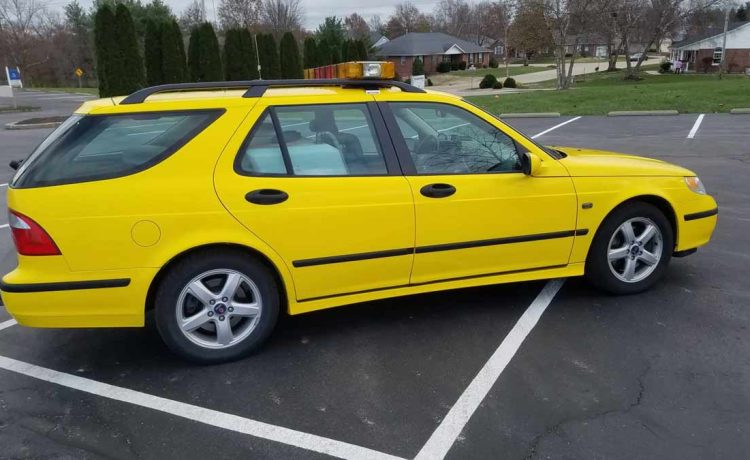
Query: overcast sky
column 315, row 10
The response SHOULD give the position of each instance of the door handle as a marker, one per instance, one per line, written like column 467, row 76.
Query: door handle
column 438, row 190
column 266, row 196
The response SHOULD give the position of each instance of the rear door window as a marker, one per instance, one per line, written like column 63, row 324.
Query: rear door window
column 95, row 147
column 313, row 140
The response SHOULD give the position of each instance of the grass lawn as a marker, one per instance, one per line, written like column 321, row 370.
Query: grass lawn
column 93, row 91
column 479, row 73
column 605, row 92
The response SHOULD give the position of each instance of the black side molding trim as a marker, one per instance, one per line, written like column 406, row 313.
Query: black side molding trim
column 64, row 286
column 436, row 248
column 684, row 253
column 498, row 241
column 353, row 257
column 702, row 214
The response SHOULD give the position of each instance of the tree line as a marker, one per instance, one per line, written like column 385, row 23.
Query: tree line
column 122, row 68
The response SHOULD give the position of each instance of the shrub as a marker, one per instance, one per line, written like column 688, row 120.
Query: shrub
column 665, row 67
column 153, row 54
column 497, row 85
column 462, row 65
column 174, row 62
column 510, row 82
column 204, row 58
column 429, row 82
column 493, row 62
column 131, row 74
column 489, row 81
column 417, row 67
column 105, row 47
column 454, row 65
column 444, row 67
column 310, row 53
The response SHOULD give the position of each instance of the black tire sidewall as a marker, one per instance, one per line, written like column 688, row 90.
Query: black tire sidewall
column 597, row 263
column 193, row 265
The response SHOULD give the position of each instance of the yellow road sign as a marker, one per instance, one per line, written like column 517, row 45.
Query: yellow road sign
column 79, row 72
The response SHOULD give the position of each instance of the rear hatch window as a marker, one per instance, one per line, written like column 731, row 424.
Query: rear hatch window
column 95, row 147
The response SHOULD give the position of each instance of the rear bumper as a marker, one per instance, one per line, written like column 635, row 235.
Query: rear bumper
column 88, row 301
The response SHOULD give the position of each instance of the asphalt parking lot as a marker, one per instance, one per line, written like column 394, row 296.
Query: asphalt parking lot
column 664, row 374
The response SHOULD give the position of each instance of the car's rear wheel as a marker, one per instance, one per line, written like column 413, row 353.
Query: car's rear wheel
column 631, row 249
column 216, row 307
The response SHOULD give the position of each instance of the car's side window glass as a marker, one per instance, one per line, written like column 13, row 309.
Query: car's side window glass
column 316, row 140
column 443, row 139
column 332, row 140
column 261, row 152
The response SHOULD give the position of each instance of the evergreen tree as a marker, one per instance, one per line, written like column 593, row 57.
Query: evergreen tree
column 204, row 60
column 174, row 67
column 130, row 65
column 291, row 65
column 323, row 54
column 311, row 50
column 105, row 44
column 361, row 50
column 152, row 53
column 269, row 57
column 235, row 66
column 334, row 57
column 417, row 67
column 345, row 50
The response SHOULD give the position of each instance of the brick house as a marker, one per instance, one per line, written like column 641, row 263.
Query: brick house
column 433, row 48
column 704, row 53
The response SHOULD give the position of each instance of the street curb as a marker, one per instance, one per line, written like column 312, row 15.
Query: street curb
column 15, row 125
column 530, row 115
column 740, row 111
column 636, row 113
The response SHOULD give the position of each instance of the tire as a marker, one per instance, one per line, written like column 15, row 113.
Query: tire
column 632, row 269
column 248, row 311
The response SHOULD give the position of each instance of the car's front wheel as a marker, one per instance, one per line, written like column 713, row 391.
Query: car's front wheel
column 216, row 307
column 631, row 249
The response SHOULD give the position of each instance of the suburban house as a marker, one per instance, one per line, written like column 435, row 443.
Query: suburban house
column 433, row 48
column 377, row 39
column 587, row 45
column 703, row 53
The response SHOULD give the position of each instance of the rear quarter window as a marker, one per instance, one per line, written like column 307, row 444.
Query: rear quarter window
column 95, row 147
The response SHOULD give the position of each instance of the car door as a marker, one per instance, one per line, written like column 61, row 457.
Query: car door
column 477, row 213
column 321, row 185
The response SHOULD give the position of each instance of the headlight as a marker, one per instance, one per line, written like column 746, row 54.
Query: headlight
column 695, row 185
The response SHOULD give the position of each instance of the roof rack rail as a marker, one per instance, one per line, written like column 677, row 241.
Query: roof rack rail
column 256, row 88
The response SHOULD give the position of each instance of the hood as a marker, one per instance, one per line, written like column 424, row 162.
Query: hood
column 586, row 162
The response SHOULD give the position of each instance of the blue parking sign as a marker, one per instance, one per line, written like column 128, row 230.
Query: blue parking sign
column 14, row 76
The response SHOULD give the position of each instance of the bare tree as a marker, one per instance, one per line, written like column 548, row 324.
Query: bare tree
column 376, row 24
column 20, row 24
column 356, row 26
column 239, row 13
column 407, row 18
column 563, row 18
column 453, row 17
column 279, row 16
column 193, row 16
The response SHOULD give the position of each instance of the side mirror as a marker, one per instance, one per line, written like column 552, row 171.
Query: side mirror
column 530, row 163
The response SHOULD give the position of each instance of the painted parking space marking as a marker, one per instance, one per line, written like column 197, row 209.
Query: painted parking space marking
column 7, row 324
column 198, row 414
column 696, row 126
column 450, row 428
column 4, row 225
column 555, row 127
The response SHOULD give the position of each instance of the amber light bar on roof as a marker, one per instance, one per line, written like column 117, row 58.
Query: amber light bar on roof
column 355, row 70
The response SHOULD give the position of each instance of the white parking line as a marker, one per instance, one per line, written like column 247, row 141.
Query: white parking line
column 7, row 324
column 555, row 127
column 4, row 225
column 196, row 413
column 450, row 428
column 697, row 125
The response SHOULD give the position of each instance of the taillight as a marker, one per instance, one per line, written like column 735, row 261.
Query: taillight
column 29, row 237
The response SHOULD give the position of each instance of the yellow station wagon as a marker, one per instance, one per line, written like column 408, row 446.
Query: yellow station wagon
column 217, row 205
